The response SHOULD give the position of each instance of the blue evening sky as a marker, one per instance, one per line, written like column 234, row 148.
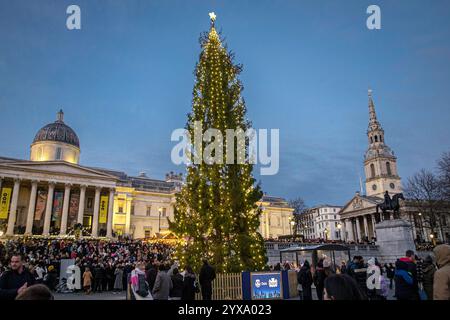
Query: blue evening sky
column 125, row 81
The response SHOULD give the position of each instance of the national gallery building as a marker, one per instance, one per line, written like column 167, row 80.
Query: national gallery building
column 51, row 193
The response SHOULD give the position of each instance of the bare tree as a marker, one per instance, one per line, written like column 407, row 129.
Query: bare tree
column 444, row 174
column 425, row 190
column 299, row 207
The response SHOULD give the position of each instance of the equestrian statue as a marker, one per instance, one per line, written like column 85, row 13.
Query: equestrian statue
column 390, row 204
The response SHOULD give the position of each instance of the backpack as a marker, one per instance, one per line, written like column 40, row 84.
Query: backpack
column 384, row 287
column 143, row 289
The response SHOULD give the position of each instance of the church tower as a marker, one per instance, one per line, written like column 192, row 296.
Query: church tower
column 380, row 163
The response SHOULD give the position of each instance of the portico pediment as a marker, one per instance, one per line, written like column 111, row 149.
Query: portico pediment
column 53, row 168
column 360, row 203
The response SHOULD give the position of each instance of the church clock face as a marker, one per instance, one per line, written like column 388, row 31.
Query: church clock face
column 392, row 186
column 374, row 187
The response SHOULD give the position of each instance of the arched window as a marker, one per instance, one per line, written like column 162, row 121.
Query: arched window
column 371, row 139
column 376, row 138
column 381, row 138
column 372, row 170
column 388, row 168
column 58, row 153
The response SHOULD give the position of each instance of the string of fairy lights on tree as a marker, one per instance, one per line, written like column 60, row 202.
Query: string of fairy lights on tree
column 216, row 212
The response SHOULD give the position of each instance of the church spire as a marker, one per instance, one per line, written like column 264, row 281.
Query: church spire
column 375, row 132
column 373, row 121
column 380, row 164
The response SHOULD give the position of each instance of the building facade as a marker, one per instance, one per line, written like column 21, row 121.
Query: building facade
column 306, row 224
column 51, row 193
column 328, row 222
column 276, row 218
column 321, row 222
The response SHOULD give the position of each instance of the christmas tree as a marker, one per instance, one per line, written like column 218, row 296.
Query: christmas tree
column 216, row 211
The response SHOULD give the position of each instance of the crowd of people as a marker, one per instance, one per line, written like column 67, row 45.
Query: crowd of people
column 302, row 240
column 103, row 265
column 412, row 277
column 31, row 268
column 420, row 244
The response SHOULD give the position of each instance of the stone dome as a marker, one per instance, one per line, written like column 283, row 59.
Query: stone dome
column 58, row 131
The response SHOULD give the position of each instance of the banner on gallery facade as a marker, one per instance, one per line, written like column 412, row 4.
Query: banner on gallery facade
column 57, row 205
column 41, row 200
column 4, row 202
column 103, row 209
column 74, row 203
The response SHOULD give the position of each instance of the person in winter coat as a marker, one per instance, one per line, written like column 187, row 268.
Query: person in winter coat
column 189, row 281
column 128, row 268
column 99, row 275
column 406, row 287
column 206, row 277
column 343, row 268
column 87, row 280
column 118, row 283
column 305, row 279
column 139, row 286
column 163, row 284
column 15, row 281
column 441, row 289
column 390, row 272
column 319, row 279
column 51, row 278
column 428, row 269
column 177, row 285
column 150, row 275
column 39, row 273
column 342, row 287
column 327, row 267
column 108, row 281
column 358, row 271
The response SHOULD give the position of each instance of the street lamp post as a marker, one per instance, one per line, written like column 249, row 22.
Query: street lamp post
column 339, row 226
column 433, row 240
column 423, row 236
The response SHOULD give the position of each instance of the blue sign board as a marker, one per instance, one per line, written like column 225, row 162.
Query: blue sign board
column 267, row 285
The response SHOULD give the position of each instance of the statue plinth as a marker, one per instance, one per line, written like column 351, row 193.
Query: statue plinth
column 394, row 238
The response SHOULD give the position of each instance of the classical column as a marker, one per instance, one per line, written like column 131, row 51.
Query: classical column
column 373, row 218
column 110, row 213
column 128, row 216
column 358, row 230
column 13, row 209
column 65, row 213
column 342, row 230
column 82, row 204
column 48, row 208
column 96, row 209
column 31, row 208
column 366, row 226
column 349, row 228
